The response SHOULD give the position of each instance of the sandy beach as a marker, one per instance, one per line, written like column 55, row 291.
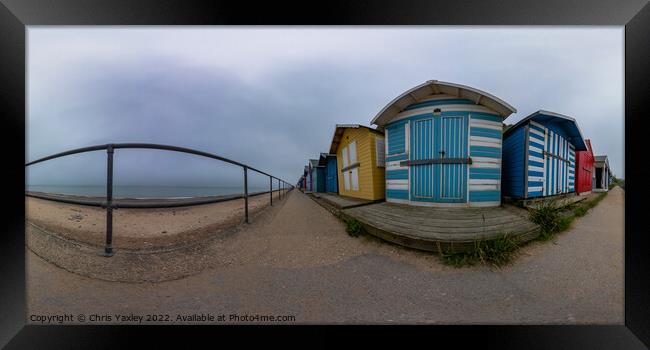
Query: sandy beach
column 140, row 228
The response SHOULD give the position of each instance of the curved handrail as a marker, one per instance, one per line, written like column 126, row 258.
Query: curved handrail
column 149, row 146
column 70, row 152
column 129, row 203
column 109, row 204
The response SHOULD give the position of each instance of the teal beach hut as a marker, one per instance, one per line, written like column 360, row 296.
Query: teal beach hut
column 443, row 145
column 328, row 161
column 316, row 176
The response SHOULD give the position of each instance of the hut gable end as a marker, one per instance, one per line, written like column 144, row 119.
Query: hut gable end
column 370, row 176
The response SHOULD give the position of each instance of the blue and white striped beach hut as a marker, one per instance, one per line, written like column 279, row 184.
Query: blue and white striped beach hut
column 443, row 145
column 539, row 155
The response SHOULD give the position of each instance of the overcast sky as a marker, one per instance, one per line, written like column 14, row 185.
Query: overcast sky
column 270, row 97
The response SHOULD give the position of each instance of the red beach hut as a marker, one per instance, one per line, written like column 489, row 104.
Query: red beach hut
column 584, row 169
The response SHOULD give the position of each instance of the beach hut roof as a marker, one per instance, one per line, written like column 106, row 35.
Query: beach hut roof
column 322, row 161
column 563, row 122
column 314, row 163
column 413, row 95
column 340, row 128
column 603, row 159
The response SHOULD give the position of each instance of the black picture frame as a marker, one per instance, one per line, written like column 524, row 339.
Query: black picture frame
column 15, row 15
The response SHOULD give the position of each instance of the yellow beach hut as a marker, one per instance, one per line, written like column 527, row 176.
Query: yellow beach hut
column 360, row 154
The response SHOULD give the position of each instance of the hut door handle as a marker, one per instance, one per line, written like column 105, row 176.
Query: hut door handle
column 442, row 154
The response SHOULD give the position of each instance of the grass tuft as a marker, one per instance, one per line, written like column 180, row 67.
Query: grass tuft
column 579, row 211
column 354, row 227
column 499, row 251
column 554, row 219
column 496, row 252
column 547, row 215
column 458, row 260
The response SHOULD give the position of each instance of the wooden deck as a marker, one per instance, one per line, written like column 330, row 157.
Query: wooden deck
column 432, row 229
column 341, row 202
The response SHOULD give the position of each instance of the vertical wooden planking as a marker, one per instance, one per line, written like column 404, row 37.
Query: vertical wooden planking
column 422, row 179
column 408, row 151
column 546, row 173
column 453, row 143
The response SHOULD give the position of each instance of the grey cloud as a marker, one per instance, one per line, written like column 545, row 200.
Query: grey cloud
column 284, row 112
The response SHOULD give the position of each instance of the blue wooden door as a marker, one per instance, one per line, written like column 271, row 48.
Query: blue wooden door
column 332, row 177
column 557, row 164
column 452, row 143
column 313, row 180
column 321, row 179
column 422, row 147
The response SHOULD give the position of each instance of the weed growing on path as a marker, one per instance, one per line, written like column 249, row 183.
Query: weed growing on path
column 581, row 210
column 497, row 252
column 459, row 259
column 354, row 227
column 547, row 216
column 554, row 219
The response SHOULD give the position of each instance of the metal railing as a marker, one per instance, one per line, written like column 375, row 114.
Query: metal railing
column 283, row 186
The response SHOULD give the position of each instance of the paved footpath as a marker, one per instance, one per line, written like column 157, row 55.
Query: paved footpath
column 296, row 259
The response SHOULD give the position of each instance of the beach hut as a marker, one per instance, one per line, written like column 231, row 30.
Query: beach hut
column 602, row 174
column 584, row 170
column 539, row 155
column 313, row 175
column 443, row 145
column 305, row 178
column 301, row 182
column 308, row 178
column 320, row 169
column 331, row 179
column 359, row 154
column 316, row 176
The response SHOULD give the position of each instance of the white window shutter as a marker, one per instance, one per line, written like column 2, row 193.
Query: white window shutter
column 407, row 136
column 386, row 139
column 380, row 152
column 354, row 173
column 353, row 152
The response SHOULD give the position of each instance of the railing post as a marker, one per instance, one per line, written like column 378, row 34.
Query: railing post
column 108, row 248
column 279, row 193
column 271, row 188
column 246, row 193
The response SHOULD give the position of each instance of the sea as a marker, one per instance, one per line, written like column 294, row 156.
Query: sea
column 146, row 192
